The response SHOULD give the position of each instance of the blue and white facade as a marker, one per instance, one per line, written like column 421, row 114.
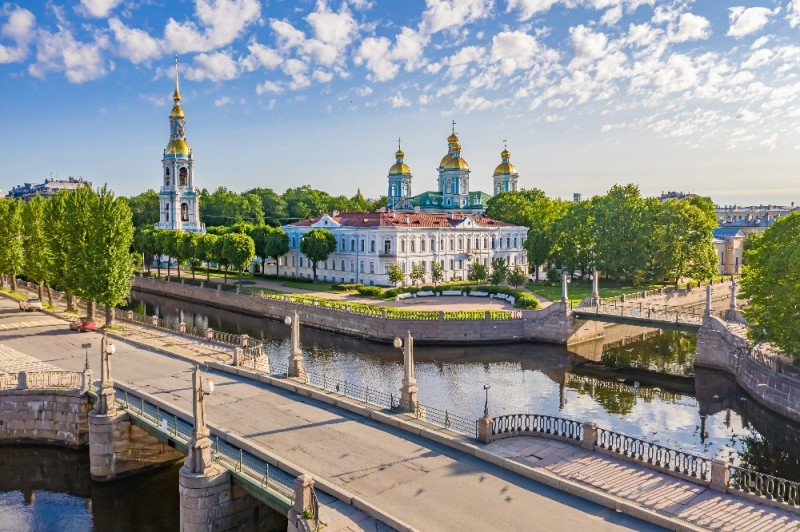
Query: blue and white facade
column 179, row 198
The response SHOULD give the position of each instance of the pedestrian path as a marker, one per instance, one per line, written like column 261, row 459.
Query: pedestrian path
column 662, row 493
column 12, row 361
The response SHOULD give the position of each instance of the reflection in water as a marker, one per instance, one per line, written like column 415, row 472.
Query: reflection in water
column 645, row 389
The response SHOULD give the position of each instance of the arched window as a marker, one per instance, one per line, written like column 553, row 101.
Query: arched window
column 413, row 245
column 183, row 175
column 184, row 212
column 166, row 177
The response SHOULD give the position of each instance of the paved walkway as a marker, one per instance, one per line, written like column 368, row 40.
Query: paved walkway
column 668, row 495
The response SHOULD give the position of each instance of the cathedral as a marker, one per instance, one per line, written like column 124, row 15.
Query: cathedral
column 453, row 193
column 179, row 198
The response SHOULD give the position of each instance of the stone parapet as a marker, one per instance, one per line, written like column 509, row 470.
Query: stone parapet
column 39, row 416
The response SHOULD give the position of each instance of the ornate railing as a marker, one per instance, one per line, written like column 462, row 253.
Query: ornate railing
column 763, row 485
column 8, row 381
column 54, row 379
column 649, row 312
column 515, row 424
column 233, row 458
column 254, row 358
column 653, row 454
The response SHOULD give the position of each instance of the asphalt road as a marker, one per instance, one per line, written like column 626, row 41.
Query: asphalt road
column 429, row 486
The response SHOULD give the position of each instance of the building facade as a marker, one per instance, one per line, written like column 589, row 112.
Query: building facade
column 49, row 188
column 729, row 245
column 368, row 242
column 453, row 193
column 179, row 198
column 752, row 219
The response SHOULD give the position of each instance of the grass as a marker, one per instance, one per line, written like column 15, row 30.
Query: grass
column 312, row 287
column 14, row 295
column 254, row 290
column 578, row 290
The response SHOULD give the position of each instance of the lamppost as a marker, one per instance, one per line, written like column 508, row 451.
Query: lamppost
column 595, row 287
column 105, row 396
column 199, row 458
column 295, row 368
column 486, row 404
column 408, row 391
column 87, row 372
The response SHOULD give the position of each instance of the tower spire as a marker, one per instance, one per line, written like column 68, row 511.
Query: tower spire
column 176, row 95
column 454, row 127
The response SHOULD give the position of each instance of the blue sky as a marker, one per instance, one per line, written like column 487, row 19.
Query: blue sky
column 699, row 96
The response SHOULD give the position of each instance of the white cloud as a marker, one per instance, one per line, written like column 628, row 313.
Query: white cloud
column 612, row 16
column 374, row 53
column 134, row 44
column 398, row 100
column 97, row 8
column 20, row 28
column 745, row 21
column 793, row 13
column 221, row 22
column 268, row 86
column 514, row 50
column 589, row 45
column 218, row 66
column 528, row 8
column 296, row 69
column 459, row 62
column 223, row 101
column 691, row 28
column 322, row 76
column 261, row 56
column 335, row 29
column 80, row 61
column 452, row 14
column 363, row 91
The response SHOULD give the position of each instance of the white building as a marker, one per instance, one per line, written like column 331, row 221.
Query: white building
column 368, row 242
column 179, row 198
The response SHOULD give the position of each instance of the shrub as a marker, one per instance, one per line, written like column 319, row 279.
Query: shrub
column 553, row 275
column 391, row 293
column 526, row 301
column 426, row 288
column 369, row 290
column 347, row 287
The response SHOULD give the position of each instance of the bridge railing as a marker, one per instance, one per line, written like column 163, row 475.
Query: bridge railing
column 536, row 424
column 765, row 486
column 645, row 312
column 236, row 460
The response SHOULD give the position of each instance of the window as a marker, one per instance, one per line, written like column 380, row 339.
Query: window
column 166, row 177
column 387, row 246
column 352, row 244
column 493, row 243
column 452, row 264
column 460, row 244
column 433, row 244
column 371, row 267
column 515, row 241
column 352, row 266
column 460, row 264
column 342, row 268
column 361, row 267
column 422, row 245
column 293, row 261
column 363, row 243
column 508, row 241
column 452, row 243
column 402, row 245
column 343, row 246
column 184, row 212
column 485, row 242
column 372, row 246
column 477, row 243
column 183, row 175
column 413, row 245
column 294, row 242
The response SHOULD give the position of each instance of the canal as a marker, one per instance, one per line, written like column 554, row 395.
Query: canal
column 643, row 384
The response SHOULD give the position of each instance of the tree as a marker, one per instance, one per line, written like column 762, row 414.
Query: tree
column 682, row 242
column 769, row 281
column 11, row 253
column 417, row 273
column 259, row 236
column 276, row 246
column 144, row 241
column 224, row 207
column 273, row 207
column 167, row 242
column 516, row 276
column 437, row 272
column 59, row 241
column 396, row 274
column 499, row 270
column 35, row 244
column 477, row 272
column 109, row 265
column 571, row 238
column 189, row 248
column 78, row 207
column 219, row 256
column 238, row 250
column 145, row 209
column 305, row 202
column 317, row 245
column 206, row 251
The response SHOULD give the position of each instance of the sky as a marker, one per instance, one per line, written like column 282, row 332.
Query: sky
column 697, row 96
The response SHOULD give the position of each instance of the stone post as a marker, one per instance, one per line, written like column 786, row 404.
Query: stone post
column 595, row 287
column 238, row 289
column 219, row 288
column 209, row 334
column 237, row 356
column 564, row 281
column 485, row 429
column 154, row 321
column 22, row 380
column 408, row 391
column 707, row 311
column 105, row 395
column 733, row 295
column 303, row 502
column 589, row 436
column 720, row 475
column 182, row 328
column 296, row 367
column 129, row 315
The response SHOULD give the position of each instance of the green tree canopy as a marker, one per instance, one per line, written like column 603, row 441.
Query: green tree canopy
column 35, row 244
column 145, row 209
column 238, row 250
column 437, row 272
column 417, row 274
column 770, row 282
column 276, row 245
column 317, row 245
column 477, row 272
column 11, row 252
column 395, row 272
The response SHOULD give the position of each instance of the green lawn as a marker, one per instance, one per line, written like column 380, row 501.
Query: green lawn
column 312, row 287
column 256, row 290
column 578, row 290
column 15, row 295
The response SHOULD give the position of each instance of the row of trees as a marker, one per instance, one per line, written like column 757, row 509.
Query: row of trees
column 77, row 241
column 620, row 233
column 257, row 206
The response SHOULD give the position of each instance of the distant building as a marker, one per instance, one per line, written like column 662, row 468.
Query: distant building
column 577, row 197
column 729, row 245
column 753, row 218
column 675, row 195
column 179, row 198
column 368, row 242
column 453, row 192
column 49, row 188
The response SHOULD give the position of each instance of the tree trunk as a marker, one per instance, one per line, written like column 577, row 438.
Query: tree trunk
column 178, row 267
column 314, row 269
column 13, row 283
column 226, row 274
column 49, row 295
column 159, row 267
column 70, row 302
column 40, row 288
column 2, row 280
column 277, row 267
column 169, row 267
column 193, row 276
column 109, row 315
column 208, row 272
column 90, row 310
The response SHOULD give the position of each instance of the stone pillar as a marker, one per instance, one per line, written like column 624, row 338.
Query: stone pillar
column 589, row 436
column 129, row 315
column 237, row 356
column 408, row 391
column 595, row 287
column 105, row 405
column 22, row 380
column 303, row 503
column 733, row 295
column 209, row 334
column 707, row 311
column 182, row 328
column 154, row 321
column 485, row 429
column 720, row 475
column 564, row 281
column 296, row 367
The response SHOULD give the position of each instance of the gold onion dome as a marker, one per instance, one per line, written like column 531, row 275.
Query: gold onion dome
column 452, row 139
column 177, row 111
column 453, row 163
column 505, row 167
column 178, row 147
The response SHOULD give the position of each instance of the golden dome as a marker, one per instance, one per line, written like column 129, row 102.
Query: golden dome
column 505, row 169
column 453, row 163
column 400, row 169
column 452, row 139
column 504, row 154
column 399, row 154
column 178, row 147
column 177, row 111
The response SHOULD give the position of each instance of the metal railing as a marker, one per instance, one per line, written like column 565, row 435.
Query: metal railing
column 233, row 458
column 654, row 454
column 764, row 485
column 538, row 424
column 254, row 358
column 645, row 312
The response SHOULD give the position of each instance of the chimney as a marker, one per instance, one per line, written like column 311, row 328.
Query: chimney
column 416, row 208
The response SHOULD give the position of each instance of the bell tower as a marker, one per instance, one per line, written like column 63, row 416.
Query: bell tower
column 399, row 182
column 179, row 198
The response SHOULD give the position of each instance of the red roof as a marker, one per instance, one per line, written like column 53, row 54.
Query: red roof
column 404, row 219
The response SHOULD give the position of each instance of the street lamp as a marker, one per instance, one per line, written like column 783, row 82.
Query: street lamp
column 486, row 404
column 398, row 342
